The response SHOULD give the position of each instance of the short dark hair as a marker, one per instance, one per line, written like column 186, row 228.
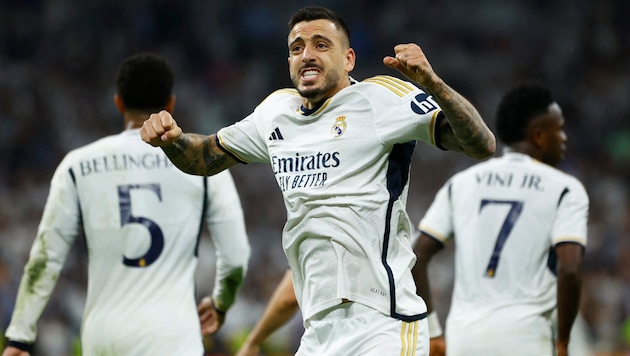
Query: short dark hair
column 518, row 107
column 145, row 82
column 312, row 13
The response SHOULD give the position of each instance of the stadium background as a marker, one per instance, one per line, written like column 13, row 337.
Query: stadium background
column 57, row 63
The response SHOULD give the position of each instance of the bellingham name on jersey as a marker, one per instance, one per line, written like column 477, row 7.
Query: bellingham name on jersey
column 305, row 166
column 123, row 162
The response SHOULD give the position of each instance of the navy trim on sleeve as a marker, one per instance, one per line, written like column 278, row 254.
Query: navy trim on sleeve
column 438, row 123
column 21, row 345
column 227, row 152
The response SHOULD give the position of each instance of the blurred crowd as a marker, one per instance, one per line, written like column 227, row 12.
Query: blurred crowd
column 58, row 60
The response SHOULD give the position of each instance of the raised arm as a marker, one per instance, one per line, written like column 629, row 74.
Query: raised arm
column 191, row 153
column 464, row 131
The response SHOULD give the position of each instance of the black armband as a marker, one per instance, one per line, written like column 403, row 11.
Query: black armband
column 21, row 345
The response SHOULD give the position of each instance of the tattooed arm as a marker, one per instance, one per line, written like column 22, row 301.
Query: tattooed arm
column 198, row 154
column 191, row 153
column 463, row 130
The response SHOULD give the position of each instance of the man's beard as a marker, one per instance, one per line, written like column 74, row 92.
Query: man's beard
column 311, row 92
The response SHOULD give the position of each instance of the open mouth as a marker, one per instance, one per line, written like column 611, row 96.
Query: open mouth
column 310, row 74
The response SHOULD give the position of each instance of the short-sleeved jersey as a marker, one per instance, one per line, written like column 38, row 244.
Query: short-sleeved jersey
column 506, row 215
column 343, row 170
column 142, row 219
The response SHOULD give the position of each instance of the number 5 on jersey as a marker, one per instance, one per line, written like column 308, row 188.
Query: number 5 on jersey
column 126, row 217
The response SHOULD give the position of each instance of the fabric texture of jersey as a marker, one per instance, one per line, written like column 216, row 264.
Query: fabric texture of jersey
column 343, row 171
column 333, row 332
column 505, row 216
column 142, row 219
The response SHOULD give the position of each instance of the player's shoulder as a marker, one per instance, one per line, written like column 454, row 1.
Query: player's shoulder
column 281, row 95
column 387, row 84
column 479, row 166
column 466, row 177
column 564, row 181
column 556, row 173
column 89, row 148
column 571, row 181
column 126, row 142
column 561, row 177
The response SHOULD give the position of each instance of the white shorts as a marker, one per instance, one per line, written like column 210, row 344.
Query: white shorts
column 353, row 329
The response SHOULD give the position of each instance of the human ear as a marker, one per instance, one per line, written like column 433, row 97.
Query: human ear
column 119, row 103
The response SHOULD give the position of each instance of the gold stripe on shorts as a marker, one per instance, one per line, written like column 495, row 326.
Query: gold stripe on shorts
column 409, row 338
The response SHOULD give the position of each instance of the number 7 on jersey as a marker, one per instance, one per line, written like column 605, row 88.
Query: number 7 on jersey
column 516, row 207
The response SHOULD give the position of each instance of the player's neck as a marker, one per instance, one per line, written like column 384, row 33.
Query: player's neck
column 134, row 121
column 526, row 148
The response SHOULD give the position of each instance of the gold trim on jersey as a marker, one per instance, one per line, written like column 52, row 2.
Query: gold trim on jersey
column 289, row 91
column 228, row 148
column 395, row 85
column 409, row 338
column 433, row 130
column 576, row 239
column 433, row 233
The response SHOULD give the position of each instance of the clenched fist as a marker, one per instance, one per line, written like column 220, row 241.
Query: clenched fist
column 160, row 129
column 411, row 61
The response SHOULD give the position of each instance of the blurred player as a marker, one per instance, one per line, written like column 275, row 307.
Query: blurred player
column 281, row 308
column 341, row 151
column 520, row 230
column 142, row 220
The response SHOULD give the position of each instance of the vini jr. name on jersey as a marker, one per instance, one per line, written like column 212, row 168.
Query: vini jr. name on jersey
column 510, row 180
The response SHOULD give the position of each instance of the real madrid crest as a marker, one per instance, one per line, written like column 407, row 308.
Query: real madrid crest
column 339, row 127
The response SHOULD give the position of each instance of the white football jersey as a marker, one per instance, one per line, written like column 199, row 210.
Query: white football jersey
column 343, row 170
column 142, row 219
column 506, row 215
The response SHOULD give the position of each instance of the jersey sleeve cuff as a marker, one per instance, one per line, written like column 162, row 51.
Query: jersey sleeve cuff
column 28, row 347
column 227, row 151
column 433, row 234
column 436, row 136
column 216, row 307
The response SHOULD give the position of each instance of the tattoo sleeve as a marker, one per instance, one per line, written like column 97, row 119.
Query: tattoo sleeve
column 198, row 154
column 465, row 130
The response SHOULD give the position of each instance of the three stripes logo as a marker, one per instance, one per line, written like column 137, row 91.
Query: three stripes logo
column 276, row 135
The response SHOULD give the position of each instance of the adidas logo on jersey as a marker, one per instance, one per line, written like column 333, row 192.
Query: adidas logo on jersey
column 276, row 135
